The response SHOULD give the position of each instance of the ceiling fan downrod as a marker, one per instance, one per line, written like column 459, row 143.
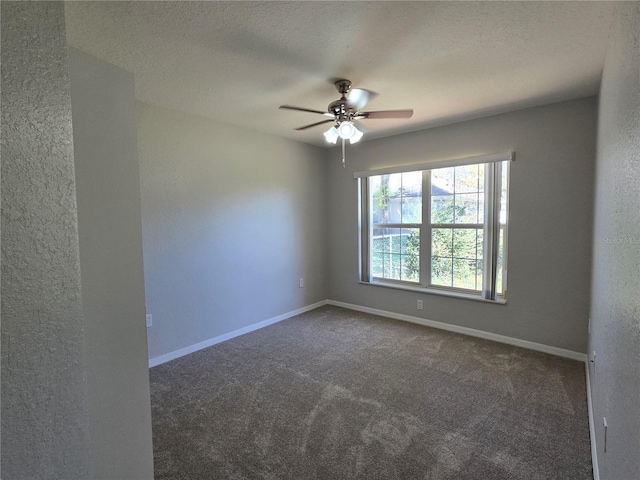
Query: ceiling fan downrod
column 343, row 87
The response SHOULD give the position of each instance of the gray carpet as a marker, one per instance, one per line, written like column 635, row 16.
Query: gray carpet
column 337, row 394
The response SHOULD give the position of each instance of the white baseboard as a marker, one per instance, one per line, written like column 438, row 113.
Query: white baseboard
column 592, row 428
column 560, row 352
column 228, row 336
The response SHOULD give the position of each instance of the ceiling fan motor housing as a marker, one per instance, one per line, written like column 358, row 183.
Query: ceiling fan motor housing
column 342, row 111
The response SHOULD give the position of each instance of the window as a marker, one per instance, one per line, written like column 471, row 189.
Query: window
column 441, row 229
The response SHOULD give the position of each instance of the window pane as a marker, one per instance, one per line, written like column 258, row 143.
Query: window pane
column 411, row 194
column 393, row 272
column 442, row 209
column 466, row 179
column 412, row 210
column 395, row 210
column 410, row 243
column 442, row 181
column 377, row 264
column 441, row 271
column 386, row 240
column 374, row 182
column 380, row 195
column 396, row 240
column 378, row 241
column 396, row 253
column 464, row 273
column 412, row 184
column 410, row 268
column 386, row 264
column 378, row 212
column 466, row 210
column 467, row 258
column 379, row 187
column 411, row 254
column 441, row 242
column 396, row 198
column 465, row 243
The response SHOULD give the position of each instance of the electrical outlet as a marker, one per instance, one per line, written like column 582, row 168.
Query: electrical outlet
column 420, row 305
column 604, row 424
column 302, row 283
column 149, row 320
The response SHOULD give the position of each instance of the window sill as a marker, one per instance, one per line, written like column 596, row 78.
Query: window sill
column 434, row 291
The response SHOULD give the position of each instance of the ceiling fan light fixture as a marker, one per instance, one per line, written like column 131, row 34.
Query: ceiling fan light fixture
column 347, row 130
column 331, row 135
column 356, row 136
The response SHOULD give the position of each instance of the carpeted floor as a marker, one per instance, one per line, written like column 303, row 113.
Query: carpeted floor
column 337, row 394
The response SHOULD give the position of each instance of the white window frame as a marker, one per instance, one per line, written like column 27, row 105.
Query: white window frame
column 491, row 227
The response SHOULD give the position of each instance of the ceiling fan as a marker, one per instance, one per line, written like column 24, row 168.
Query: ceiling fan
column 346, row 112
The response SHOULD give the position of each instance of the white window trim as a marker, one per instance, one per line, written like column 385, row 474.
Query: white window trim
column 433, row 291
column 488, row 293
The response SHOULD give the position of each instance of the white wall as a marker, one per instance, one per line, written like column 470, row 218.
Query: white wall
column 110, row 232
column 549, row 231
column 231, row 220
column 615, row 306
column 44, row 398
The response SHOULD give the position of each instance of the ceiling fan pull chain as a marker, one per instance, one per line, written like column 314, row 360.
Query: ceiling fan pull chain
column 343, row 149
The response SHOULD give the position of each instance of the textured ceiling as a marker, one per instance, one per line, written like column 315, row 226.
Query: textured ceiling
column 238, row 61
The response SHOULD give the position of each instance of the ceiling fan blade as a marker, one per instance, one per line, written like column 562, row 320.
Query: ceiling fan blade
column 314, row 124
column 386, row 114
column 301, row 109
column 359, row 97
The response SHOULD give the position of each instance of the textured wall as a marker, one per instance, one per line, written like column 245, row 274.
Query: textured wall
column 549, row 231
column 110, row 231
column 615, row 305
column 44, row 411
column 231, row 220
